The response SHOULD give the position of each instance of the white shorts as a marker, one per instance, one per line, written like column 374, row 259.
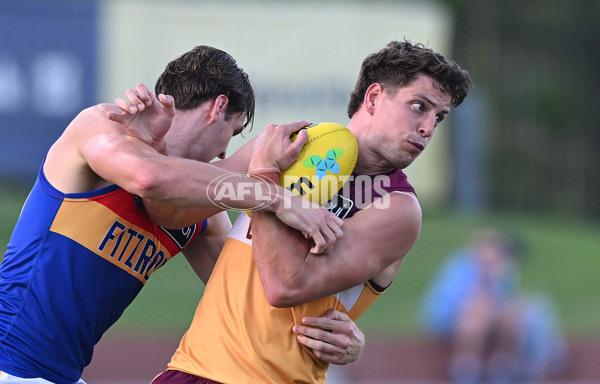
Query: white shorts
column 5, row 378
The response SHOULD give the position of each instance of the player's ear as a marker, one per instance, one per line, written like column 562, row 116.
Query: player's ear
column 373, row 93
column 219, row 107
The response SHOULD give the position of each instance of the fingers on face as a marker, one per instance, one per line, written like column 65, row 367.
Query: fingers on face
column 134, row 99
column 116, row 117
column 125, row 106
column 166, row 100
column 144, row 94
column 140, row 97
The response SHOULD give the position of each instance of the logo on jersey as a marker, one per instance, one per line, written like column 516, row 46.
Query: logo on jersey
column 339, row 206
column 181, row 236
column 365, row 191
column 132, row 250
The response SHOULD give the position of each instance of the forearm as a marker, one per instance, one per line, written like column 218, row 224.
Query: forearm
column 191, row 184
column 137, row 166
column 278, row 267
column 280, row 253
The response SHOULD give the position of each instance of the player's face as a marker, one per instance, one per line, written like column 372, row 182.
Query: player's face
column 196, row 136
column 217, row 137
column 406, row 121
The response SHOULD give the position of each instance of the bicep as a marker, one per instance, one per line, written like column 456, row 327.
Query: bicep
column 72, row 162
column 373, row 245
column 374, row 240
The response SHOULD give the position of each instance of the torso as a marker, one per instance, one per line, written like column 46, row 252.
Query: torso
column 74, row 263
column 237, row 337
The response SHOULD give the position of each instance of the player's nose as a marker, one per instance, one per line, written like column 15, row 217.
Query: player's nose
column 427, row 126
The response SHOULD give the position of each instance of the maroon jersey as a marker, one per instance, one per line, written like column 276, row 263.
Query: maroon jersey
column 362, row 190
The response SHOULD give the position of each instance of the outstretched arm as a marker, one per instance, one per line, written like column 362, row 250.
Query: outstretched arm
column 150, row 120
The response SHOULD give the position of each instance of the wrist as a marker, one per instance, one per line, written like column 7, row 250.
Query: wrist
column 161, row 147
column 271, row 176
column 265, row 174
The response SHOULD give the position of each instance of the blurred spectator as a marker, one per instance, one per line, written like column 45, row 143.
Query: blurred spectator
column 496, row 333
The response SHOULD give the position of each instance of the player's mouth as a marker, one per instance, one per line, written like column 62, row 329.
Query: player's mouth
column 418, row 146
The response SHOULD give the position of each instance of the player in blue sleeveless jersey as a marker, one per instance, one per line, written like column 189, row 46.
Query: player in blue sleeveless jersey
column 87, row 240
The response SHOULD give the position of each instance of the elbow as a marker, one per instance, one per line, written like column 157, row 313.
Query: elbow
column 281, row 301
column 283, row 296
column 145, row 182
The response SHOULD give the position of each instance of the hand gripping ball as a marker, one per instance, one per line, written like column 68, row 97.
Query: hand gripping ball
column 325, row 163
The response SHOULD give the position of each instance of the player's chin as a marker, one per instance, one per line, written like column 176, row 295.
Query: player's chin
column 403, row 162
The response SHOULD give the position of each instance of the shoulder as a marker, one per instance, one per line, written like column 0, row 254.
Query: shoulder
column 395, row 219
column 67, row 166
column 95, row 112
column 387, row 230
column 398, row 181
column 91, row 121
column 394, row 206
column 401, row 209
column 91, row 125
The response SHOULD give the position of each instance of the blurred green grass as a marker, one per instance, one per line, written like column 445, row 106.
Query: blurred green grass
column 561, row 259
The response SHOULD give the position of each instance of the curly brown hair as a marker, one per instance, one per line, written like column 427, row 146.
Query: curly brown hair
column 399, row 63
column 203, row 73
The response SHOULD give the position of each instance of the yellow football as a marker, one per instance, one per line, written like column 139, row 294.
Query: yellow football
column 325, row 163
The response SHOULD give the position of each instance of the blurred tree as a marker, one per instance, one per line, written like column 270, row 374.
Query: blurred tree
column 535, row 64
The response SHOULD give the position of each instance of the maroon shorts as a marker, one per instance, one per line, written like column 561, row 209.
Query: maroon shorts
column 177, row 377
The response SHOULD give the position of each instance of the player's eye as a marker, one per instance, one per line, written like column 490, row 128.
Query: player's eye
column 440, row 117
column 418, row 106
